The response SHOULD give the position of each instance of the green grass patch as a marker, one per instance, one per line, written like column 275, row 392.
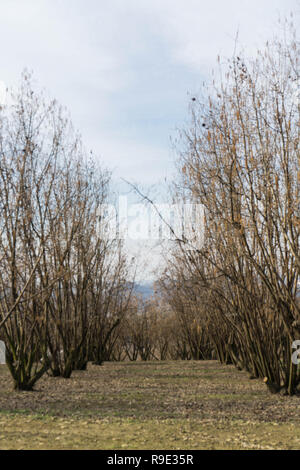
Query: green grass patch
column 168, row 405
column 44, row 432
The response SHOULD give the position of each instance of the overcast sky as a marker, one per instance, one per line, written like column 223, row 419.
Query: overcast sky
column 124, row 68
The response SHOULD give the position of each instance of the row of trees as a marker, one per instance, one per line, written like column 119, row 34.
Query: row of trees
column 153, row 330
column 240, row 159
column 65, row 290
column 63, row 282
column 65, row 294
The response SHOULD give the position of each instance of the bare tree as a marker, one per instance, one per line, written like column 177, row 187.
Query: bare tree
column 63, row 281
column 242, row 163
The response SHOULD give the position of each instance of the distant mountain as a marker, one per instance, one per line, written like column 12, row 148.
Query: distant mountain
column 146, row 289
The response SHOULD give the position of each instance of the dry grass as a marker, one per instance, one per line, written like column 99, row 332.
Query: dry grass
column 157, row 405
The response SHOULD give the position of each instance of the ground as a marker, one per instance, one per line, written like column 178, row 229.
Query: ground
column 153, row 405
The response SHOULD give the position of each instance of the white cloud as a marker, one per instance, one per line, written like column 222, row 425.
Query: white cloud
column 121, row 66
column 198, row 31
column 133, row 160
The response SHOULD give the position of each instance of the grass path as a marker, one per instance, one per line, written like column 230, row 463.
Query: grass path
column 168, row 405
